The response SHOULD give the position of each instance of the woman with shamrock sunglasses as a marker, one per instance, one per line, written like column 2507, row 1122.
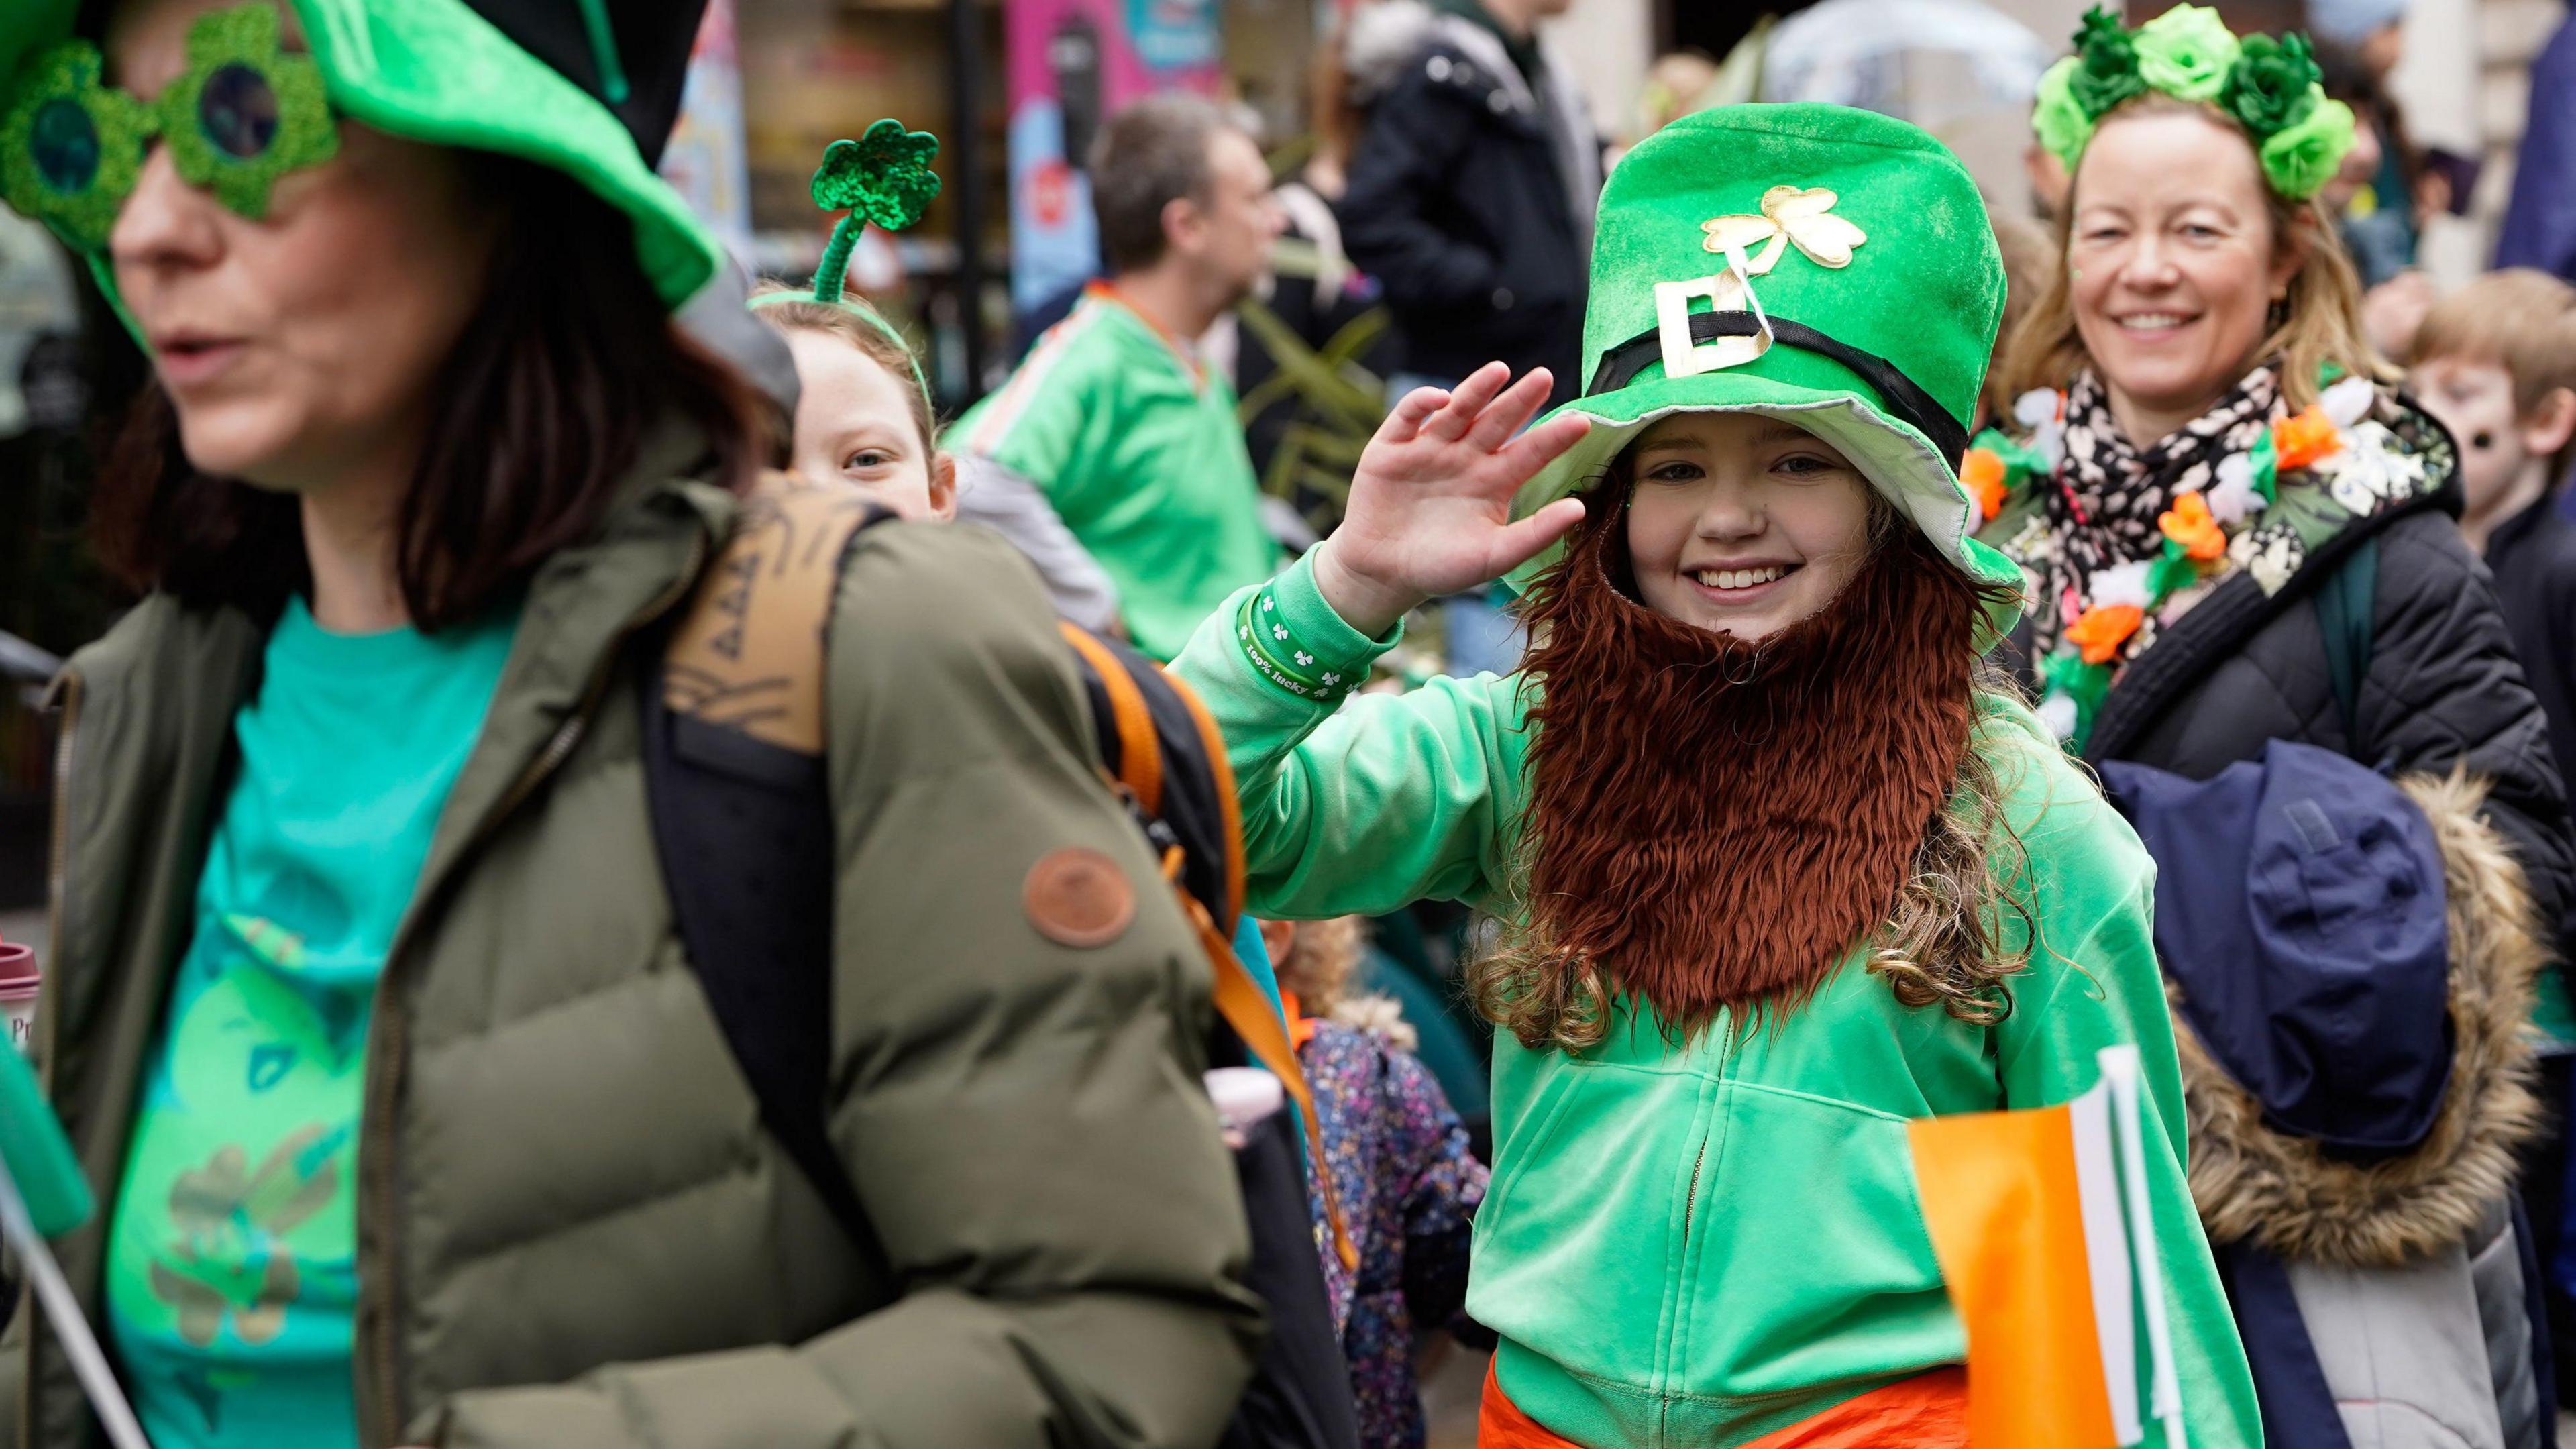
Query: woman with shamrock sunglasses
column 2234, row 532
column 368, row 1015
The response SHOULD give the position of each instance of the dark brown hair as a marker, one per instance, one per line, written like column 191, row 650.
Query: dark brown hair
column 540, row 412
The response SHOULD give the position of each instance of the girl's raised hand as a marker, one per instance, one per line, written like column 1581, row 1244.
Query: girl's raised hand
column 1430, row 505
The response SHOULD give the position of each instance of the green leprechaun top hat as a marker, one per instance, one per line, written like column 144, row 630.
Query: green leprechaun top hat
column 580, row 86
column 1826, row 266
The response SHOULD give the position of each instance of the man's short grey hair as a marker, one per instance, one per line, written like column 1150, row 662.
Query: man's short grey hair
column 1149, row 155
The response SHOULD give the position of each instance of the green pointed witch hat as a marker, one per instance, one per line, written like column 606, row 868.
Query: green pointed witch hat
column 1827, row 266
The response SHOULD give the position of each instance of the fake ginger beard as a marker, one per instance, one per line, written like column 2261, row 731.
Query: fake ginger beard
column 1715, row 823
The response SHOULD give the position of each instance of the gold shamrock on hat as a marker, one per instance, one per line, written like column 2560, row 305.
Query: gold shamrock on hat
column 1790, row 215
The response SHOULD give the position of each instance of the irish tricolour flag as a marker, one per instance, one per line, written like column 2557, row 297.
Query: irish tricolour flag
column 2040, row 1221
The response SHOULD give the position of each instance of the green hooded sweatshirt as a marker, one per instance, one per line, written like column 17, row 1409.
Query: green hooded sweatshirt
column 1701, row 1245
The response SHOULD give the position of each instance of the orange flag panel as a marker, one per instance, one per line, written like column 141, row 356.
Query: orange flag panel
column 2001, row 1201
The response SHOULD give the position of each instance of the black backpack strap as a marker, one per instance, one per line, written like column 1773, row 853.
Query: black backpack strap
column 734, row 776
column 2344, row 603
column 1300, row 1394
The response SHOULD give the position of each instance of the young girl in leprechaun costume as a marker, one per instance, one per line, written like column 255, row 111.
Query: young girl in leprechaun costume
column 1784, row 873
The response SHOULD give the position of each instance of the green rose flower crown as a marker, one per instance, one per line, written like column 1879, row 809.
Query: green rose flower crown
column 2268, row 86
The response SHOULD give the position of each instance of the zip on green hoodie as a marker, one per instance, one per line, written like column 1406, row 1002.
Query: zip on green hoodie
column 1699, row 1245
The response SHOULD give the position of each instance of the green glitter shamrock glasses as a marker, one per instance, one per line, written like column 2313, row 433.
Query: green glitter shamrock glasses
column 244, row 114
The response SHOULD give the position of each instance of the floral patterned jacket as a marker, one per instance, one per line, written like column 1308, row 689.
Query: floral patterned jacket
column 1409, row 1190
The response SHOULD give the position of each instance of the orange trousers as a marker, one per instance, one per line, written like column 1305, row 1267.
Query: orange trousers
column 1928, row 1411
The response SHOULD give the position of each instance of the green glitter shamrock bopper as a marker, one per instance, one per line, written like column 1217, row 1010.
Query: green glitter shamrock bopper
column 882, row 177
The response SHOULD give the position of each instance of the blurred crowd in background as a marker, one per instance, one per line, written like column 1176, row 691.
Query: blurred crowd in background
column 1399, row 191
column 2468, row 111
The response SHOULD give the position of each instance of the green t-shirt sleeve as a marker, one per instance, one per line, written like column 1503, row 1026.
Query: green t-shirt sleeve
column 1351, row 805
column 2093, row 982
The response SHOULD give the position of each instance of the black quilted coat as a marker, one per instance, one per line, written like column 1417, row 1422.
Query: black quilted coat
column 2443, row 687
column 2442, row 690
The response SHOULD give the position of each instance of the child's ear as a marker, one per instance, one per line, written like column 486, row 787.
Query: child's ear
column 2550, row 423
column 943, row 486
column 1278, row 938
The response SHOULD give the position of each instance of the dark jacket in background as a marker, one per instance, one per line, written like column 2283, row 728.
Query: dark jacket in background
column 2540, row 222
column 1471, row 197
column 2443, row 688
column 2442, row 691
column 2533, row 558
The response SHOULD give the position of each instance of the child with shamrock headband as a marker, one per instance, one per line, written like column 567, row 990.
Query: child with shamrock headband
column 1781, row 873
column 370, row 1017
column 863, row 411
column 2233, row 531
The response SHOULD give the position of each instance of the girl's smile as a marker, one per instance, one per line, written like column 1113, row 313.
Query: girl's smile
column 1742, row 523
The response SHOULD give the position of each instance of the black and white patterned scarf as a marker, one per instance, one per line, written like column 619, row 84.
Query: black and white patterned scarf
column 2108, row 495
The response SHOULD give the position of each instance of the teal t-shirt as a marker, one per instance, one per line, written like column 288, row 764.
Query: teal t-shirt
column 232, row 1255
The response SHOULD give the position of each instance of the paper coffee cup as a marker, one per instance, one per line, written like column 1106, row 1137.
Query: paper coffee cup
column 18, row 982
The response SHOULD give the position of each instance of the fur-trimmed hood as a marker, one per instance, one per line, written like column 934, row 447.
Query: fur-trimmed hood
column 2287, row 1196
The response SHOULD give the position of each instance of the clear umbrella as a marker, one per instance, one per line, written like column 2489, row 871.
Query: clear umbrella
column 1924, row 61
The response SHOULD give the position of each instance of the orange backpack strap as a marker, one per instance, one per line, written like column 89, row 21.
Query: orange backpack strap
column 749, row 654
column 1246, row 1008
column 1140, row 750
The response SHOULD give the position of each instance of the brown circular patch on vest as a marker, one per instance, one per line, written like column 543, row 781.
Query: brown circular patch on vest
column 1078, row 896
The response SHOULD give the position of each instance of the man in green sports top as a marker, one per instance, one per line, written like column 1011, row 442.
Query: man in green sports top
column 1114, row 428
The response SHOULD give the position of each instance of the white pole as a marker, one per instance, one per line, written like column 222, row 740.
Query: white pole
column 56, row 1296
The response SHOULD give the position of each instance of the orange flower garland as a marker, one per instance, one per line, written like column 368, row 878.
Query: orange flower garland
column 2303, row 438
column 2103, row 629
column 2078, row 674
column 1982, row 472
column 2192, row 528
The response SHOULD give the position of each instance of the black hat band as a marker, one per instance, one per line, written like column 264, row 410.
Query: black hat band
column 1908, row 403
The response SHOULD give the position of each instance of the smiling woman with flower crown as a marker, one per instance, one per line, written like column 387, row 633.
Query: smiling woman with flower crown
column 2236, row 532
column 1785, row 880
